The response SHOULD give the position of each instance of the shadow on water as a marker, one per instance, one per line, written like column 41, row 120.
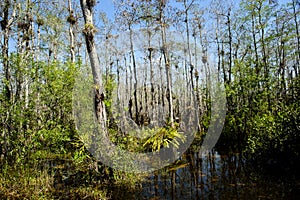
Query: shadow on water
column 213, row 176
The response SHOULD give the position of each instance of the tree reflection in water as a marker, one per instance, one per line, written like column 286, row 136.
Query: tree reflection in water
column 214, row 176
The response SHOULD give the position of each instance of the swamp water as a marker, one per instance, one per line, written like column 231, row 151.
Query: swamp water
column 213, row 176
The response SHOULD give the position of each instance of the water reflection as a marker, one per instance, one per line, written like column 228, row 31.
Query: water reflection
column 213, row 176
column 194, row 176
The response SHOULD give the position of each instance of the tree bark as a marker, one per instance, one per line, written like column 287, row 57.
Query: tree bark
column 135, row 75
column 167, row 65
column 230, row 44
column 89, row 32
column 72, row 21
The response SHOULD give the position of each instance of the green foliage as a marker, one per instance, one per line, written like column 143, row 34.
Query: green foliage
column 80, row 156
column 128, row 180
column 275, row 141
column 258, row 121
column 109, row 86
column 163, row 137
column 43, row 119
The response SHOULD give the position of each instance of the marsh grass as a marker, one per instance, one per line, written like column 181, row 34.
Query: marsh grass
column 27, row 182
column 24, row 182
column 32, row 181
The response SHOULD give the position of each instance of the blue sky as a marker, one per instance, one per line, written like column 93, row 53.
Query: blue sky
column 108, row 7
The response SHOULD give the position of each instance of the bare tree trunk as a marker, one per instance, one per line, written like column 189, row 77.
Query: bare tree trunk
column 280, row 61
column 160, row 86
column 72, row 21
column 89, row 32
column 150, row 49
column 218, row 47
column 144, row 115
column 135, row 77
column 130, row 105
column 37, row 57
column 255, row 45
column 230, row 45
column 27, row 30
column 167, row 66
column 223, row 63
column 186, row 20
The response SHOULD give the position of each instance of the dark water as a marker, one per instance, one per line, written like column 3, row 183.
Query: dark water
column 213, row 176
column 194, row 176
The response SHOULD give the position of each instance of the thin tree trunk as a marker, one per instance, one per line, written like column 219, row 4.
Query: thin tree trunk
column 144, row 116
column 230, row 45
column 167, row 67
column 161, row 95
column 72, row 21
column 218, row 47
column 152, row 102
column 37, row 57
column 186, row 20
column 255, row 46
column 26, row 50
column 297, row 71
column 135, row 77
column 130, row 90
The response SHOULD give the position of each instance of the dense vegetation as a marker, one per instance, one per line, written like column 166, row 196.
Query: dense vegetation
column 254, row 48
